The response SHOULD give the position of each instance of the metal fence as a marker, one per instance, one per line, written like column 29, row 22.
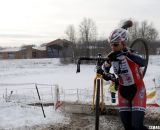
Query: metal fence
column 27, row 93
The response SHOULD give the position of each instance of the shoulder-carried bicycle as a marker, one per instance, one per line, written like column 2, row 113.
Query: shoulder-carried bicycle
column 98, row 106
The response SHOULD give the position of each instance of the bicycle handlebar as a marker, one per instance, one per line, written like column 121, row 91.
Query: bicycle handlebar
column 99, row 60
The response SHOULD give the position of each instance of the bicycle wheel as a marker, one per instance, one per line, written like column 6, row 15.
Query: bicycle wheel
column 97, row 108
column 140, row 47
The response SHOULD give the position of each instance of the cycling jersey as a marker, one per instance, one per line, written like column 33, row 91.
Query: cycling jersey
column 131, row 92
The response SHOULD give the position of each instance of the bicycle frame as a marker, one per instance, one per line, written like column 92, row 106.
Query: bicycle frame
column 98, row 87
column 100, row 62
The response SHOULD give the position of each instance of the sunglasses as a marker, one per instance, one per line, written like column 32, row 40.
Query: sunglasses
column 115, row 44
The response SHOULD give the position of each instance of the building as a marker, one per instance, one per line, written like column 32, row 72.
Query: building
column 59, row 48
column 24, row 52
column 11, row 53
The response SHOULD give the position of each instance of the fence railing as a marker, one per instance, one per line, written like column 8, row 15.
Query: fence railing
column 27, row 93
column 50, row 93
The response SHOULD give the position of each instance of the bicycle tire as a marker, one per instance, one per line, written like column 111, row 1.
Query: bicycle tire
column 97, row 107
column 140, row 47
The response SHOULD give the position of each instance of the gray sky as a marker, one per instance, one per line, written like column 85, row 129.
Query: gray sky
column 39, row 21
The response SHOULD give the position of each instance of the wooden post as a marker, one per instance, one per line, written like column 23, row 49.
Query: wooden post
column 56, row 97
column 6, row 95
column 40, row 100
column 77, row 96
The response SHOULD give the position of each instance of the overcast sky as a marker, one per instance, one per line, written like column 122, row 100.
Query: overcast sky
column 39, row 21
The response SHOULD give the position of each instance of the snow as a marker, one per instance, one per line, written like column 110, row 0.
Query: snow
column 18, row 115
column 16, row 49
column 40, row 48
column 20, row 76
column 13, row 49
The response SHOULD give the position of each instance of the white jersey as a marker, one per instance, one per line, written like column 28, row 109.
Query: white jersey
column 122, row 68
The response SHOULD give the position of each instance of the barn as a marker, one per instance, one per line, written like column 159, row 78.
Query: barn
column 59, row 48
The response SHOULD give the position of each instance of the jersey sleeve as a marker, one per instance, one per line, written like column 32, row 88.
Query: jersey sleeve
column 137, row 59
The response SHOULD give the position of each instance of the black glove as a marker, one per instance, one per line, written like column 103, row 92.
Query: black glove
column 113, row 55
column 109, row 76
column 113, row 78
column 100, row 71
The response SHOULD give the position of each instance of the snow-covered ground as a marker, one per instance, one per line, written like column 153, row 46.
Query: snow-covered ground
column 16, row 116
column 17, row 88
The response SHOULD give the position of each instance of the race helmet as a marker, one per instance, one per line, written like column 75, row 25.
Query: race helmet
column 119, row 35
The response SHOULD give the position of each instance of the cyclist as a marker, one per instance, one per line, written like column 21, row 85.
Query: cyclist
column 131, row 89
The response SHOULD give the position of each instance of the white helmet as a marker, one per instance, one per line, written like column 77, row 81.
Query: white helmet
column 118, row 35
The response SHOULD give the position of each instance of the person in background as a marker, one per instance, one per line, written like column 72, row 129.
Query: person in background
column 112, row 90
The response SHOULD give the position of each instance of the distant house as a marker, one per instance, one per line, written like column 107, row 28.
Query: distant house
column 25, row 52
column 59, row 48
column 10, row 53
column 56, row 49
column 39, row 52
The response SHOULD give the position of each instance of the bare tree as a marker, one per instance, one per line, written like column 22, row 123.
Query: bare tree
column 152, row 34
column 71, row 33
column 142, row 30
column 134, row 30
column 147, row 31
column 88, row 32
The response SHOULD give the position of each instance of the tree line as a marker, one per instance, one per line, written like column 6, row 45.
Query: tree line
column 85, row 42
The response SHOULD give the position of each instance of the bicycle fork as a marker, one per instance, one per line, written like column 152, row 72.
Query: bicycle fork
column 101, row 84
